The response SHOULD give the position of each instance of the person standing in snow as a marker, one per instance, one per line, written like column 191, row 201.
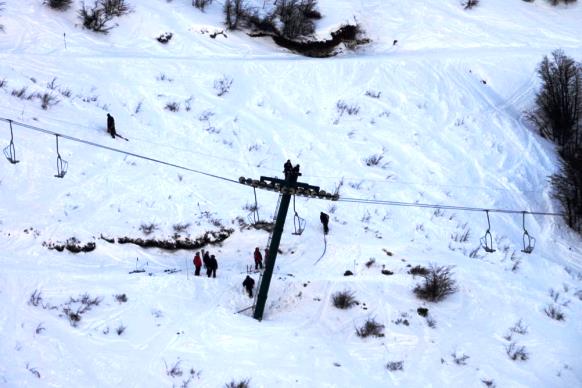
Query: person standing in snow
column 324, row 218
column 249, row 284
column 212, row 266
column 205, row 259
column 258, row 259
column 197, row 264
column 111, row 126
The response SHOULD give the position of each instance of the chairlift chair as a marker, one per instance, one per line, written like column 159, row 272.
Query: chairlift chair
column 529, row 242
column 10, row 151
column 487, row 239
column 298, row 222
column 62, row 165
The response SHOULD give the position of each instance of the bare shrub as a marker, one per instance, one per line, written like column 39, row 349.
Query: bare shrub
column 59, row 5
column 120, row 329
column 201, row 4
column 370, row 328
column 238, row 384
column 516, row 353
column 393, row 366
column 95, row 18
column 370, row 262
column 344, row 299
column 175, row 370
column 179, row 228
column 373, row 160
column 418, row 270
column 172, row 106
column 460, row 359
column 438, row 284
column 20, row 93
column 121, row 298
column 2, row 9
column 148, row 229
column 555, row 312
column 222, row 85
column 115, row 7
column 47, row 100
column 519, row 328
column 556, row 2
column 468, row 4
column 296, row 16
column 343, row 107
column 34, row 371
column 489, row 383
column 35, row 298
column 3, row 83
column 373, row 94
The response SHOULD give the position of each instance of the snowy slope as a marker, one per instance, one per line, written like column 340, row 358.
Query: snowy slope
column 448, row 124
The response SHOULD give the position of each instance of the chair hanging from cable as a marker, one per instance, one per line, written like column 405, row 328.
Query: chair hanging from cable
column 62, row 165
column 298, row 222
column 487, row 239
column 529, row 242
column 253, row 216
column 10, row 151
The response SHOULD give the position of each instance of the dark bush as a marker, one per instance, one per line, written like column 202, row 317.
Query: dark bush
column 468, row 4
column 294, row 14
column 121, row 298
column 395, row 365
column 165, row 37
column 239, row 384
column 438, row 284
column 59, row 5
column 370, row 328
column 557, row 116
column 95, row 18
column 422, row 311
column 556, row 2
column 201, row 4
column 115, row 7
column 558, row 104
column 344, row 299
column 418, row 270
column 516, row 353
column 553, row 311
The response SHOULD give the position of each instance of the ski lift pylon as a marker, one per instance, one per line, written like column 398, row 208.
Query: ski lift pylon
column 62, row 165
column 10, row 151
column 529, row 242
column 487, row 239
column 253, row 216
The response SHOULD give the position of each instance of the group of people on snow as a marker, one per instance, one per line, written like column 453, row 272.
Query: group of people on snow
column 208, row 261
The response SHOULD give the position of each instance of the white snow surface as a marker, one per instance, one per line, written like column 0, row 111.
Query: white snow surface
column 448, row 123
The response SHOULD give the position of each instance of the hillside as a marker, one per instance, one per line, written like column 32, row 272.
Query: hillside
column 436, row 118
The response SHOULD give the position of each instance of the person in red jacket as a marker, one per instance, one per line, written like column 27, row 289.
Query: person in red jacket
column 197, row 264
column 258, row 259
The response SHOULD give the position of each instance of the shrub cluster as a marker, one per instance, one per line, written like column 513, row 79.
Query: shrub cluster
column 97, row 17
column 558, row 116
column 370, row 328
column 344, row 299
column 59, row 5
column 438, row 284
column 201, row 4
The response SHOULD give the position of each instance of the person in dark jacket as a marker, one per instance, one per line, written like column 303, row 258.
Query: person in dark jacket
column 212, row 267
column 258, row 259
column 205, row 259
column 197, row 264
column 249, row 284
column 324, row 218
column 111, row 126
column 287, row 167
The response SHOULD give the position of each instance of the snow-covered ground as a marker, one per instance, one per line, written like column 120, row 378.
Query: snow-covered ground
column 443, row 108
